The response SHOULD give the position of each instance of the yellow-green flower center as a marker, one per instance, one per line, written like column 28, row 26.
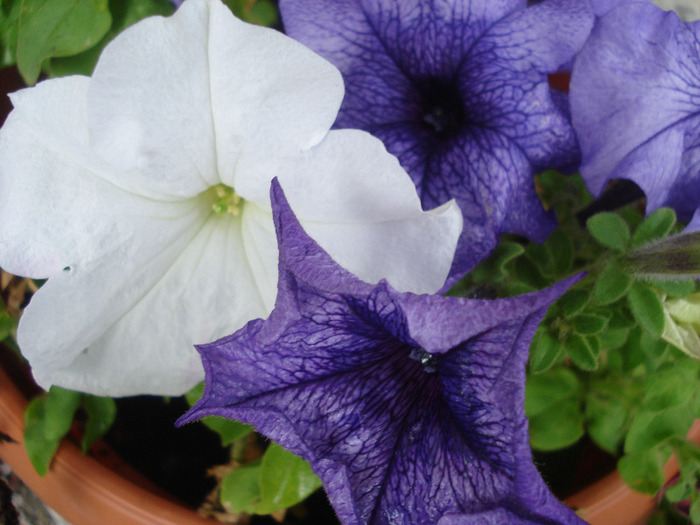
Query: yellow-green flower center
column 225, row 201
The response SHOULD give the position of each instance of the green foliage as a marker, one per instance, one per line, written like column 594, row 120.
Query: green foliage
column 643, row 471
column 589, row 324
column 582, row 352
column 49, row 417
column 240, row 488
column 9, row 19
column 285, row 480
column 260, row 12
column 610, row 403
column 544, row 350
column 655, row 226
column 276, row 481
column 101, row 413
column 612, row 284
column 598, row 363
column 610, row 230
column 646, row 308
column 54, row 28
column 552, row 404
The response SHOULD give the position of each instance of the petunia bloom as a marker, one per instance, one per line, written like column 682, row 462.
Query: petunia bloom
column 410, row 408
column 141, row 193
column 458, row 91
column 635, row 102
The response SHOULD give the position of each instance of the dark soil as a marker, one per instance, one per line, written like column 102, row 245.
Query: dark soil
column 177, row 459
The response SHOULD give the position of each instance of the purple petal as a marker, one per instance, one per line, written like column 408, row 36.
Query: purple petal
column 635, row 95
column 396, row 434
column 458, row 91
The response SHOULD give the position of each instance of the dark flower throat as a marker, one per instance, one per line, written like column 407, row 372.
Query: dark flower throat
column 442, row 108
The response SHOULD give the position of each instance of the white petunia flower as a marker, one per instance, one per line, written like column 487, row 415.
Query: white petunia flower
column 142, row 194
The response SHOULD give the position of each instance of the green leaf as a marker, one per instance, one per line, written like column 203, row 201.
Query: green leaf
column 676, row 288
column 240, row 489
column 527, row 272
column 612, row 284
column 229, row 430
column 9, row 20
column 671, row 387
column 588, row 324
column 40, row 449
column 61, row 406
column 643, row 471
column 621, row 318
column 551, row 387
column 53, row 28
column 655, row 350
column 561, row 253
column 560, row 426
column 544, row 350
column 101, row 412
column 261, row 12
column 611, row 339
column 124, row 14
column 655, row 226
column 285, row 480
column 610, row 230
column 581, row 352
column 47, row 419
column 649, row 429
column 646, row 308
column 572, row 302
column 607, row 412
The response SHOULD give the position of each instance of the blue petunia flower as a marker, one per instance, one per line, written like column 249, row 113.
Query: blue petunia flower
column 635, row 101
column 458, row 91
column 409, row 407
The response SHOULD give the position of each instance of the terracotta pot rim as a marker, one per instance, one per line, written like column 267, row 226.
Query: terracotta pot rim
column 106, row 497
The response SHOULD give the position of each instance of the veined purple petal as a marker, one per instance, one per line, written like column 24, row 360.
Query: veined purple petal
column 635, row 95
column 440, row 82
column 340, row 375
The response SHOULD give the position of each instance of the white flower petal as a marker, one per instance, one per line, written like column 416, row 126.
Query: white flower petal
column 208, row 292
column 75, row 307
column 54, row 196
column 149, row 105
column 238, row 88
column 260, row 244
column 269, row 94
column 357, row 202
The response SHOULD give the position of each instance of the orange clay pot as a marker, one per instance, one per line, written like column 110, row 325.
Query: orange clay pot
column 85, row 492
column 79, row 487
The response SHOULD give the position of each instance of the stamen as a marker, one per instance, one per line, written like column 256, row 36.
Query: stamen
column 225, row 200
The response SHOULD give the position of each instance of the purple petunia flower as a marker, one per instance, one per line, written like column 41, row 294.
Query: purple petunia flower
column 409, row 407
column 458, row 91
column 635, row 98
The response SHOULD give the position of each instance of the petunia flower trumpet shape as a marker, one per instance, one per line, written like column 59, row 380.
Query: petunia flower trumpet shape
column 141, row 193
column 410, row 408
column 635, row 103
column 458, row 91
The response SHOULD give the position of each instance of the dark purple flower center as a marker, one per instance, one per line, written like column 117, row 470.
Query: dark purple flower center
column 428, row 361
column 442, row 107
